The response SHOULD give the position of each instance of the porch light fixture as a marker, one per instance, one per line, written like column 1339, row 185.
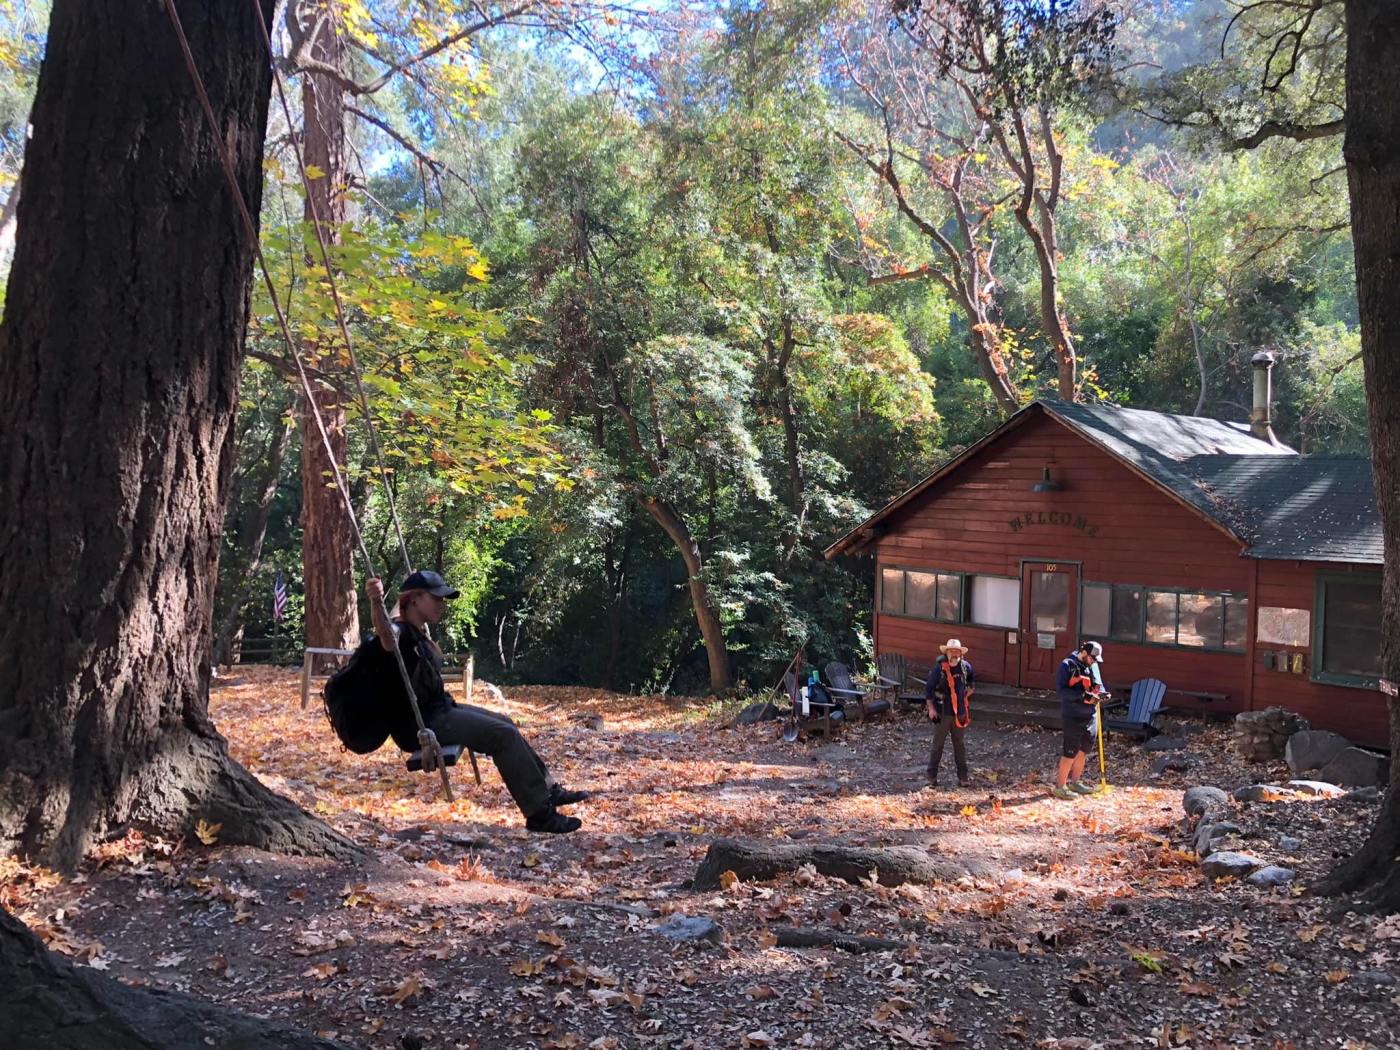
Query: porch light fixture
column 1045, row 484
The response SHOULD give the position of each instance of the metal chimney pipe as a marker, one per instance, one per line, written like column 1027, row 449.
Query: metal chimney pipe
column 1260, row 416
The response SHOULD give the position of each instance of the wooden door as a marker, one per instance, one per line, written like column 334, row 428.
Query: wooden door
column 1049, row 616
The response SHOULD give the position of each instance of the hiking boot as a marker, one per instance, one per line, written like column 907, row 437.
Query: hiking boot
column 1064, row 793
column 1081, row 788
column 559, row 796
column 553, row 822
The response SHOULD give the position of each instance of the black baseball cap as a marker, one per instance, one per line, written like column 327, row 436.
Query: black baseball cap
column 423, row 580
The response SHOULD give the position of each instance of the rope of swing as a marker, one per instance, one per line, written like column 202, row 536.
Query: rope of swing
column 427, row 740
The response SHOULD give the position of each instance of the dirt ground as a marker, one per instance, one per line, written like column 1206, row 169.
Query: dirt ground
column 1079, row 924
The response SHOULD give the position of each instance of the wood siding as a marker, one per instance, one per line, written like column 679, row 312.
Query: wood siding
column 1118, row 526
column 1358, row 714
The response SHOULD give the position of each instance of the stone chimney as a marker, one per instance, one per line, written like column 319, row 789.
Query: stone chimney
column 1260, row 416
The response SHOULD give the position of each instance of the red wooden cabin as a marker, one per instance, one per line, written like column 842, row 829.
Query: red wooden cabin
column 1199, row 552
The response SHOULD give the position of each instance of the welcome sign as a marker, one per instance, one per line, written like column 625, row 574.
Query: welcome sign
column 1054, row 517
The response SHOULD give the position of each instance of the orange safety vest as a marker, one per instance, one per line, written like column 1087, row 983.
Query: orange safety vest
column 966, row 719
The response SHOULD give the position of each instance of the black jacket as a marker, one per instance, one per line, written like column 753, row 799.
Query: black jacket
column 936, row 688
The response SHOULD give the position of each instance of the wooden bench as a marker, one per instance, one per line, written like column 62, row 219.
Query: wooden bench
column 1203, row 699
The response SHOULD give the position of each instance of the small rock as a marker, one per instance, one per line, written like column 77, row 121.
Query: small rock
column 1165, row 743
column 1262, row 793
column 1316, row 788
column 1289, row 844
column 1366, row 794
column 688, row 928
column 1173, row 764
column 1376, row 977
column 1355, row 768
column 1208, row 834
column 1227, row 864
column 1313, row 749
column 755, row 713
column 1197, row 800
column 1272, row 875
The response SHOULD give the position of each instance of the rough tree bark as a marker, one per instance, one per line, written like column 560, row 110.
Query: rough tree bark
column 331, row 612
column 119, row 367
column 49, row 1003
column 1372, row 153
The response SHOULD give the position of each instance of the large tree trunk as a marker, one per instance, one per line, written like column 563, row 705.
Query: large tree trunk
column 119, row 367
column 331, row 612
column 49, row 1003
column 706, row 614
column 1372, row 153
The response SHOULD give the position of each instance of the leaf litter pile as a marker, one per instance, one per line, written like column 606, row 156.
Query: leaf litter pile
column 1054, row 924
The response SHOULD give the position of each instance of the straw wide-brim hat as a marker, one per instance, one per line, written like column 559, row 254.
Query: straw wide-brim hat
column 953, row 643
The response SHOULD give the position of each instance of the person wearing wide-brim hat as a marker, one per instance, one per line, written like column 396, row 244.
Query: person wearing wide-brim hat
column 948, row 697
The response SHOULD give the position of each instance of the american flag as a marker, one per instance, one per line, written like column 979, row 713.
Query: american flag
column 279, row 597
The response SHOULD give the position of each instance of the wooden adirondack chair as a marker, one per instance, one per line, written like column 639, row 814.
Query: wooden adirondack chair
column 842, row 687
column 1143, row 704
column 900, row 678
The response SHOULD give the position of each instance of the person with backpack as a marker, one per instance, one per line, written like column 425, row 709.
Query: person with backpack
column 422, row 603
column 1079, row 691
column 948, row 697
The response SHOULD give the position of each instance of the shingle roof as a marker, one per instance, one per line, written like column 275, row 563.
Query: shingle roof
column 1278, row 503
column 1161, row 445
column 1312, row 508
column 1283, row 505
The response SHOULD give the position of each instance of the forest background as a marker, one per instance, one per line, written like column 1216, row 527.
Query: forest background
column 654, row 301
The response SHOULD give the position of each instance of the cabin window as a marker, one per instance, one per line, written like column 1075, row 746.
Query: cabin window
column 1189, row 619
column 1285, row 626
column 995, row 601
column 1161, row 617
column 1347, row 631
column 1050, row 601
column 920, row 593
column 927, row 594
column 1111, row 611
column 892, row 590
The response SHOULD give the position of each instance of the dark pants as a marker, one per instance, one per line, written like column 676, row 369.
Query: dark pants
column 943, row 727
column 488, row 733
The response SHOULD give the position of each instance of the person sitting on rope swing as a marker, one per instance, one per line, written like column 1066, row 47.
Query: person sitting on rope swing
column 422, row 602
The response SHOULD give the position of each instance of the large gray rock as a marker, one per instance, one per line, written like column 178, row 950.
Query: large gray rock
column 1227, row 864
column 1262, row 793
column 1356, row 768
column 1313, row 749
column 689, row 928
column 1272, row 875
column 1316, row 788
column 1198, row 800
